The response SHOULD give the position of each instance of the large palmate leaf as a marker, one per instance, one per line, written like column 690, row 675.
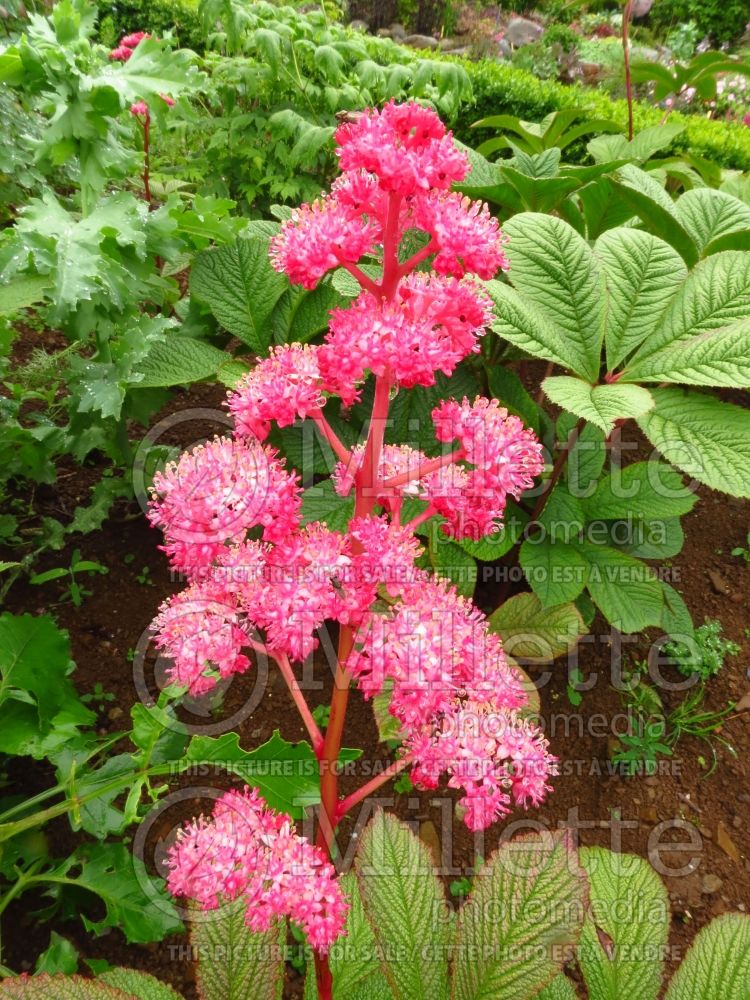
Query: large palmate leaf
column 241, row 288
column 714, row 295
column 556, row 570
column 153, row 69
column 712, row 217
column 629, row 914
column 524, row 911
column 59, row 988
column 601, row 405
column 300, row 314
column 559, row 989
column 406, row 909
column 555, row 268
column 718, row 358
column 707, row 439
column 237, row 963
column 21, row 293
column 626, row 590
column 532, row 632
column 138, row 984
column 642, row 274
column 717, row 966
column 522, row 324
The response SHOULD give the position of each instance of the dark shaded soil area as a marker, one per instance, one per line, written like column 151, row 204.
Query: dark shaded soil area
column 653, row 816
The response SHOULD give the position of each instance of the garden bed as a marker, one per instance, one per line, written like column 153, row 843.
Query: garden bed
column 111, row 623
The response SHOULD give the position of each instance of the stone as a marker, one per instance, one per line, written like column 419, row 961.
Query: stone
column 522, row 31
column 421, row 41
column 504, row 49
column 641, row 7
column 358, row 25
column 461, row 50
column 448, row 43
column 397, row 30
column 718, row 582
column 711, row 884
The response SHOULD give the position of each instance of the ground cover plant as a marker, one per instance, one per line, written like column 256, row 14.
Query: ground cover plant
column 459, row 441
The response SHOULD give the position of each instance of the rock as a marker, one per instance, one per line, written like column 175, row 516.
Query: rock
column 591, row 72
column 421, row 41
column 522, row 31
column 397, row 30
column 357, row 25
column 648, row 814
column 462, row 50
column 642, row 7
column 726, row 843
column 383, row 32
column 448, row 43
column 718, row 583
column 504, row 49
column 711, row 884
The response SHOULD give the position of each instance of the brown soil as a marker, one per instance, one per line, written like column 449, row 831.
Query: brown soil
column 641, row 814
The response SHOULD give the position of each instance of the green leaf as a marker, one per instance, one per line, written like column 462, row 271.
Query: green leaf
column 642, row 274
column 706, row 438
column 504, row 949
column 676, row 619
column 58, row 988
column 717, row 966
column 521, row 323
column 660, row 538
column 241, row 288
column 534, row 633
column 406, row 908
column 711, row 215
column 451, row 561
column 587, row 456
column 300, row 315
column 135, row 902
column 646, row 490
column 714, row 295
column 322, row 503
column 286, row 774
column 560, row 988
column 353, row 958
column 239, row 963
column 555, row 268
column 625, row 590
column 630, row 907
column 655, row 208
column 22, row 293
column 601, row 405
column 179, row 361
column 494, row 546
column 154, row 68
column 718, row 358
column 556, row 571
column 140, row 985
column 507, row 387
column 59, row 956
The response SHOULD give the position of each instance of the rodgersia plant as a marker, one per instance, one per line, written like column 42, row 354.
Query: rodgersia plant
column 260, row 581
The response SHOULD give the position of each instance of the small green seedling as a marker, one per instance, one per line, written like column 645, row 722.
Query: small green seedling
column 75, row 591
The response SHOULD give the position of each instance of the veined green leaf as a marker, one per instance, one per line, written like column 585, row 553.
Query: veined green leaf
column 522, row 324
column 626, row 590
column 406, row 909
column 58, row 988
column 630, row 907
column 710, row 215
column 717, row 357
column 353, row 958
column 21, row 293
column 642, row 274
column 502, row 951
column 179, row 361
column 555, row 268
column 534, row 633
column 717, row 966
column 138, row 984
column 601, row 405
column 556, row 571
column 648, row 199
column 706, row 438
column 560, row 988
column 646, row 490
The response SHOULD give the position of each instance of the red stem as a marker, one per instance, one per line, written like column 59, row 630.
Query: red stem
column 147, row 157
column 347, row 804
column 422, row 470
column 339, row 449
column 287, row 673
column 362, row 278
column 418, row 257
column 626, row 16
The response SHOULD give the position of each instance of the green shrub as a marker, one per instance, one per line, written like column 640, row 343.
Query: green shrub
column 704, row 653
column 503, row 89
column 156, row 16
column 723, row 20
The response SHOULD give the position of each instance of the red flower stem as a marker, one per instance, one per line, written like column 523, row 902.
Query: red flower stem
column 423, row 470
column 367, row 478
column 418, row 257
column 339, row 449
column 420, row 519
column 367, row 283
column 347, row 804
column 391, row 270
column 626, row 16
column 147, row 157
column 287, row 673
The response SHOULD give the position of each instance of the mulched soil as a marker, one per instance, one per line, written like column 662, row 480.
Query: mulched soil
column 643, row 814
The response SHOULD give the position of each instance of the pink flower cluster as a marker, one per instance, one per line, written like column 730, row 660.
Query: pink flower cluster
column 456, row 698
column 127, row 46
column 399, row 164
column 246, row 850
